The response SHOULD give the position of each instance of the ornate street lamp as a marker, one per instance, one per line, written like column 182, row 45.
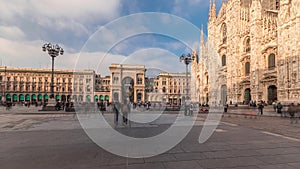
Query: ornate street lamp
column 53, row 51
column 186, row 59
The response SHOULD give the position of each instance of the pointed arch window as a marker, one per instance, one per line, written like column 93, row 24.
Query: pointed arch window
column 247, row 45
column 271, row 61
column 224, row 33
column 247, row 68
column 224, row 60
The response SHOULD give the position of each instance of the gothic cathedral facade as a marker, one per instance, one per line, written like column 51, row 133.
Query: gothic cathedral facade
column 257, row 43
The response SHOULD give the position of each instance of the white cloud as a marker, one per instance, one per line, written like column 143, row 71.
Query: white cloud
column 22, row 54
column 26, row 24
column 74, row 9
column 11, row 32
column 40, row 19
column 57, row 9
column 30, row 55
column 156, row 58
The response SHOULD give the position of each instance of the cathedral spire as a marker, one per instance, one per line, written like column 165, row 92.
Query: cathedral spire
column 202, row 36
column 256, row 4
column 212, row 10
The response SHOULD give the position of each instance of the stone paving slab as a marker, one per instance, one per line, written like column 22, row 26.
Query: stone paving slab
column 278, row 166
column 182, row 165
column 59, row 142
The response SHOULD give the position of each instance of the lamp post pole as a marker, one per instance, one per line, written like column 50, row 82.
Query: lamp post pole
column 186, row 59
column 3, row 85
column 52, row 79
column 53, row 51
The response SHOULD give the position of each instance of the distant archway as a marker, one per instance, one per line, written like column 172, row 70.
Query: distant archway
column 40, row 97
column 88, row 98
column 96, row 98
column 21, row 97
column 75, row 98
column 8, row 97
column 128, row 89
column 80, row 98
column 33, row 97
column 57, row 97
column 101, row 97
column 15, row 98
column 63, row 98
column 27, row 97
column 46, row 97
column 116, row 97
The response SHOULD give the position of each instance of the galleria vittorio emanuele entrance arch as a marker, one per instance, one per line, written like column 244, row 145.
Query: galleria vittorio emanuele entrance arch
column 127, row 82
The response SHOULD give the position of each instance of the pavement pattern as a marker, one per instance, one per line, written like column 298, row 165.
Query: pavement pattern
column 42, row 141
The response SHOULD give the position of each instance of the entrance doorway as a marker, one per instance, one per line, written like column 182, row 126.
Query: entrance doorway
column 128, row 89
column 272, row 93
column 247, row 96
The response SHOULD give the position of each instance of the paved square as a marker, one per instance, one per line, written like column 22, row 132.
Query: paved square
column 45, row 141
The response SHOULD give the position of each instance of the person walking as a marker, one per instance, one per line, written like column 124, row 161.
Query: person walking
column 225, row 108
column 279, row 109
column 116, row 108
column 260, row 108
column 292, row 111
column 274, row 106
column 125, row 112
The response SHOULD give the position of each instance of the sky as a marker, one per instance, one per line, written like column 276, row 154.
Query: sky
column 96, row 33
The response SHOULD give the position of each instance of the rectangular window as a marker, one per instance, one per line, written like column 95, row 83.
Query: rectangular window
column 140, row 81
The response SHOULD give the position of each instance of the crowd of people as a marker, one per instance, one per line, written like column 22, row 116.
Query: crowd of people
column 292, row 109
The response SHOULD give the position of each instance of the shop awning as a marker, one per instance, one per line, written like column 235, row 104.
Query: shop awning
column 27, row 97
column 40, row 97
column 8, row 96
column 21, row 97
column 15, row 97
column 101, row 97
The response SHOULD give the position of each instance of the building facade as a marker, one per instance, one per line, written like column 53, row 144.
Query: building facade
column 169, row 88
column 102, row 88
column 257, row 43
column 31, row 85
column 125, row 82
column 83, row 86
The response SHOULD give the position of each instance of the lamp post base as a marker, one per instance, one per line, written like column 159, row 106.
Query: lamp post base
column 50, row 105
